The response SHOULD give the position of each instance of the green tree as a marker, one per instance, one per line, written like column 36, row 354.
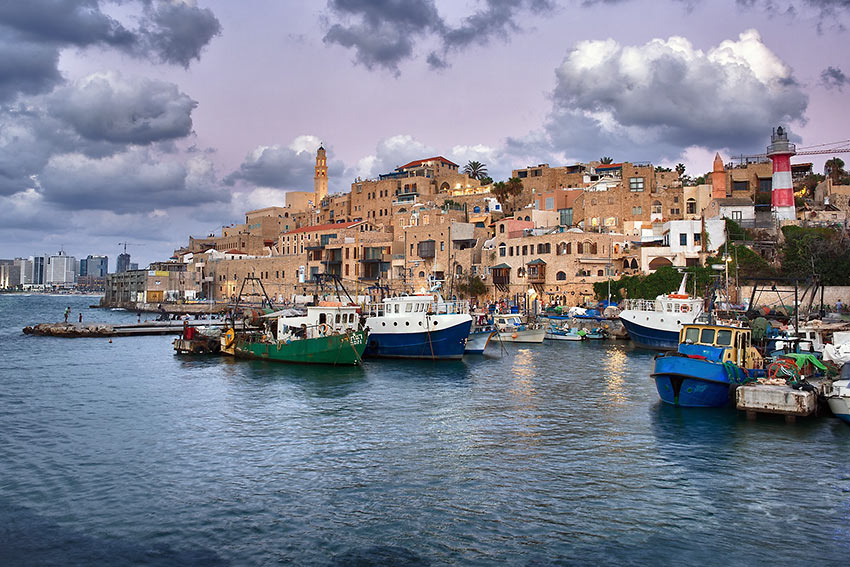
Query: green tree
column 680, row 169
column 471, row 286
column 475, row 169
column 824, row 252
column 834, row 169
column 486, row 180
column 606, row 160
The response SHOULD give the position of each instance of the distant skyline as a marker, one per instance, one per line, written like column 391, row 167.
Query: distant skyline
column 149, row 121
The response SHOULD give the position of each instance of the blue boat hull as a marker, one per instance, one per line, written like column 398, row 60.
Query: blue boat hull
column 654, row 339
column 691, row 382
column 446, row 343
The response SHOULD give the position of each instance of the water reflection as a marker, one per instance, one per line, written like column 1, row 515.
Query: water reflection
column 615, row 376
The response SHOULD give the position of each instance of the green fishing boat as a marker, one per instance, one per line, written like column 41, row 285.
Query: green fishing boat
column 330, row 333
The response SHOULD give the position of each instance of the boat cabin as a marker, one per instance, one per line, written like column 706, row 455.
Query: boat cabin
column 320, row 320
column 720, row 343
column 407, row 305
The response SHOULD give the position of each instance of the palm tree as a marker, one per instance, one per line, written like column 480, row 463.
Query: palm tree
column 475, row 169
column 680, row 169
column 834, row 169
column 605, row 160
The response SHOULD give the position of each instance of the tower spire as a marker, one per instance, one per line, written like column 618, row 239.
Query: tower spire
column 320, row 179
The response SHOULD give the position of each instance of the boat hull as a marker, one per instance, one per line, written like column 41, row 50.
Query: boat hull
column 691, row 382
column 447, row 343
column 336, row 349
column 652, row 338
column 523, row 336
column 477, row 342
column 839, row 402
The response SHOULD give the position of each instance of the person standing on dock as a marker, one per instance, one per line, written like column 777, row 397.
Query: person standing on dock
column 67, row 312
column 81, row 317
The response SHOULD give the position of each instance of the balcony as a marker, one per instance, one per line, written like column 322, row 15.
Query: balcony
column 536, row 271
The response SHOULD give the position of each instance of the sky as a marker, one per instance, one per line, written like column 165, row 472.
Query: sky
column 147, row 121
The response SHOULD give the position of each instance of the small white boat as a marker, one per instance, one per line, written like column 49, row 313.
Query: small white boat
column 478, row 340
column 565, row 333
column 512, row 328
column 838, row 398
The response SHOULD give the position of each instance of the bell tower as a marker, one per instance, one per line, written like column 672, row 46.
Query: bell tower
column 320, row 179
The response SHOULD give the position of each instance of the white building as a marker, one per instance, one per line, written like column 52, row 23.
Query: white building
column 60, row 270
column 682, row 243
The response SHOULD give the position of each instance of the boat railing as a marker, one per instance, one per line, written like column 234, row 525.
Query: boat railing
column 460, row 307
column 639, row 304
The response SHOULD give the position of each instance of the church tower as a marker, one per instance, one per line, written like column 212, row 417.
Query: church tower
column 320, row 180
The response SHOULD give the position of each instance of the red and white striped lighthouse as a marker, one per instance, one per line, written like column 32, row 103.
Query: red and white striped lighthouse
column 780, row 151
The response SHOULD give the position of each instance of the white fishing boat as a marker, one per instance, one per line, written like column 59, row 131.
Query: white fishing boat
column 838, row 394
column 655, row 323
column 514, row 328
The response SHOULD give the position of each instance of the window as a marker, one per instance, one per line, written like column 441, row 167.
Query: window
column 561, row 276
column 636, row 184
column 637, row 211
column 442, row 246
column 524, row 250
column 600, row 272
column 656, row 208
column 683, row 239
column 502, row 250
column 697, row 238
column 501, row 229
column 579, row 248
column 511, row 251
column 724, row 338
column 740, row 186
column 691, row 206
column 765, row 185
column 737, row 215
column 675, row 199
column 566, row 217
column 707, row 337
column 550, row 203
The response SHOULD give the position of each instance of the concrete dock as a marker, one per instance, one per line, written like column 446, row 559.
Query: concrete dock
column 78, row 330
column 781, row 399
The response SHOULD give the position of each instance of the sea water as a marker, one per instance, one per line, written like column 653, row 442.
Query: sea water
column 122, row 453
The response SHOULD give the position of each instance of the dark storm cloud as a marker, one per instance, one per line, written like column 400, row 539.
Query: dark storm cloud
column 26, row 66
column 107, row 107
column 384, row 33
column 178, row 32
column 834, row 78
column 33, row 32
column 131, row 182
column 657, row 99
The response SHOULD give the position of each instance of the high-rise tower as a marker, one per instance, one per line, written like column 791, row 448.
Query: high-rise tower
column 780, row 151
column 320, row 180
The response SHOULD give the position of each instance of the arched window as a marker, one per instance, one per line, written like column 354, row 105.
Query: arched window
column 547, row 248
column 561, row 276
column 458, row 270
column 502, row 249
column 501, row 229
column 528, row 218
column 600, row 273
column 569, row 248
column 579, row 248
column 421, row 274
column 561, row 248
column 656, row 207
column 691, row 206
column 593, row 249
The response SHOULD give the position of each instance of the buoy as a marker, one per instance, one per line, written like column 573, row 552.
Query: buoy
column 110, row 341
column 514, row 336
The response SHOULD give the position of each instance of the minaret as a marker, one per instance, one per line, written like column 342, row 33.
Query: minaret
column 320, row 180
column 718, row 178
column 780, row 151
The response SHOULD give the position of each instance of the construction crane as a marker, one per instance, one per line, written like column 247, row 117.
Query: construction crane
column 804, row 151
column 126, row 244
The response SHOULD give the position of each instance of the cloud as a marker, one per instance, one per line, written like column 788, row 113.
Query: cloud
column 281, row 167
column 385, row 33
column 34, row 32
column 664, row 96
column 177, row 31
column 391, row 153
column 108, row 107
column 834, row 78
column 138, row 180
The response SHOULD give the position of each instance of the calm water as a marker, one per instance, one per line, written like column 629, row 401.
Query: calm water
column 123, row 453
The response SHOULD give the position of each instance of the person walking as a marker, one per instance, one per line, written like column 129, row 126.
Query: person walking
column 67, row 312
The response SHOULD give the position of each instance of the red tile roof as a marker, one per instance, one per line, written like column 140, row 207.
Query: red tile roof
column 317, row 227
column 421, row 161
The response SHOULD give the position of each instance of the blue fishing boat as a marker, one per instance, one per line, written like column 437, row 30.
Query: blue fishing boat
column 710, row 360
column 418, row 326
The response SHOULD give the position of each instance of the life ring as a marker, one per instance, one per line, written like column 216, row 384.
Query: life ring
column 229, row 337
column 513, row 336
column 325, row 329
column 685, row 308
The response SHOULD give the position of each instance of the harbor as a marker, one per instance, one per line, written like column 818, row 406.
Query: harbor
column 516, row 456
